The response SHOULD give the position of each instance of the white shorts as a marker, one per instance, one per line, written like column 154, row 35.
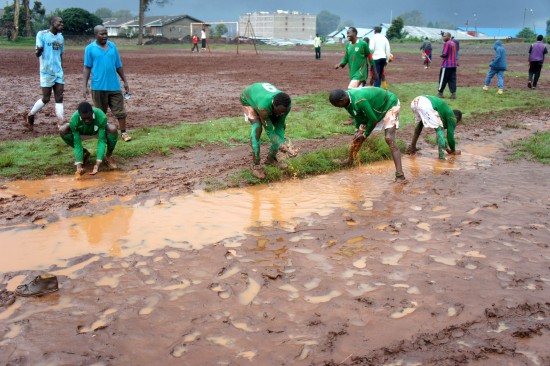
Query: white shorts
column 423, row 111
column 391, row 119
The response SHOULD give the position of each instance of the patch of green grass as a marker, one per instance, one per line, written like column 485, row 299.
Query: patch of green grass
column 318, row 162
column 212, row 184
column 22, row 42
column 312, row 117
column 515, row 125
column 536, row 147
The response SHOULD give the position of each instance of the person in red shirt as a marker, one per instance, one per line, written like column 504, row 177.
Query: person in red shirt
column 195, row 43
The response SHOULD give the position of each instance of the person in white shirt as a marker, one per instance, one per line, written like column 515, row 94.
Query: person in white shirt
column 380, row 48
column 317, row 46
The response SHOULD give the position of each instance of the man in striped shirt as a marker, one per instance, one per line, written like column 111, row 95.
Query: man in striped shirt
column 447, row 74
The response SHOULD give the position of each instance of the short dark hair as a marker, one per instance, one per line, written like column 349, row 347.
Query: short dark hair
column 85, row 108
column 377, row 29
column 353, row 29
column 458, row 115
column 281, row 99
column 539, row 37
column 54, row 18
column 336, row 95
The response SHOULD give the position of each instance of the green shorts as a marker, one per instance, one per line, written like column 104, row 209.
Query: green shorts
column 110, row 99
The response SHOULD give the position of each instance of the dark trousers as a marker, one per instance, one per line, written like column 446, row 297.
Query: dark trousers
column 379, row 64
column 447, row 76
column 317, row 52
column 195, row 47
column 534, row 70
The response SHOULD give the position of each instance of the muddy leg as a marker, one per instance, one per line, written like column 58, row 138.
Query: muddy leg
column 395, row 153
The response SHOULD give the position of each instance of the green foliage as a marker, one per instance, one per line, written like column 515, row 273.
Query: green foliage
column 78, row 21
column 37, row 18
column 536, row 147
column 103, row 13
column 526, row 33
column 219, row 30
column 327, row 22
column 548, row 28
column 122, row 13
column 414, row 18
column 395, row 31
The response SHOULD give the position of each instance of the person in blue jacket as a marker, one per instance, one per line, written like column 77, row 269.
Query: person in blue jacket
column 497, row 67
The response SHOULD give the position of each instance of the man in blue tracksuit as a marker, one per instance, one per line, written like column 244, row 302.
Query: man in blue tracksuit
column 497, row 67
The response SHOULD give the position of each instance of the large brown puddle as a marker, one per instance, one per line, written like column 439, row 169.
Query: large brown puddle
column 193, row 221
column 451, row 266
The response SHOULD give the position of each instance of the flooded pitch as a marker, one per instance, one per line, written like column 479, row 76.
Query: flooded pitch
column 346, row 268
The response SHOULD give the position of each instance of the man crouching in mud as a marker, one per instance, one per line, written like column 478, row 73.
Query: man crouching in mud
column 90, row 121
column 372, row 109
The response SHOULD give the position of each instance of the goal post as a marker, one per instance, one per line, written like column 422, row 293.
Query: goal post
column 193, row 27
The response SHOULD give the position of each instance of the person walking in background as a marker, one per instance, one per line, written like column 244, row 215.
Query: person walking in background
column 432, row 112
column 426, row 52
column 50, row 46
column 195, row 43
column 317, row 45
column 358, row 56
column 536, row 60
column 90, row 121
column 447, row 74
column 102, row 61
column 380, row 48
column 372, row 109
column 497, row 66
column 203, row 39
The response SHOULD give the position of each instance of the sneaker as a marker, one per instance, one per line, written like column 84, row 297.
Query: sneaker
column 529, row 84
column 440, row 95
column 500, row 91
column 41, row 285
column 125, row 136
column 485, row 88
column 86, row 157
column 274, row 162
column 110, row 161
column 29, row 122
column 453, row 96
column 258, row 171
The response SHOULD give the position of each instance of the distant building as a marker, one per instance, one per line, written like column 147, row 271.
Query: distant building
column 177, row 26
column 280, row 24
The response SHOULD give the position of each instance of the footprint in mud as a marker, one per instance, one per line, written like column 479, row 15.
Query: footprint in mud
column 223, row 290
column 323, row 298
column 409, row 307
column 247, row 296
column 111, row 281
column 103, row 322
column 150, row 302
column 181, row 348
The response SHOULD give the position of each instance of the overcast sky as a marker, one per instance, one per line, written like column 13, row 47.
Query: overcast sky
column 364, row 13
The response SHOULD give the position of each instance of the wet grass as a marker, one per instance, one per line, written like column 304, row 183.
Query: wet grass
column 312, row 117
column 536, row 147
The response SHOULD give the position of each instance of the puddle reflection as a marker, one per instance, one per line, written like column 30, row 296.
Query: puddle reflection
column 199, row 219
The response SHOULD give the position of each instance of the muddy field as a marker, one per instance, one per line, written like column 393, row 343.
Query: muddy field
column 450, row 269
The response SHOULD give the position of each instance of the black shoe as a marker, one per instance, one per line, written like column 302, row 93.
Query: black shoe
column 453, row 96
column 41, row 285
column 440, row 95
column 29, row 122
column 529, row 84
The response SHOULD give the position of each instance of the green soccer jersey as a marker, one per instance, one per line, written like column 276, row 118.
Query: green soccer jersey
column 369, row 105
column 260, row 97
column 447, row 117
column 358, row 56
column 78, row 127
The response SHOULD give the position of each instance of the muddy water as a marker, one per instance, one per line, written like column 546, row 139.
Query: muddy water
column 200, row 219
column 297, row 273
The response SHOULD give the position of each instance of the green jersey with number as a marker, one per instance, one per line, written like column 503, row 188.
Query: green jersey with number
column 260, row 97
column 358, row 56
